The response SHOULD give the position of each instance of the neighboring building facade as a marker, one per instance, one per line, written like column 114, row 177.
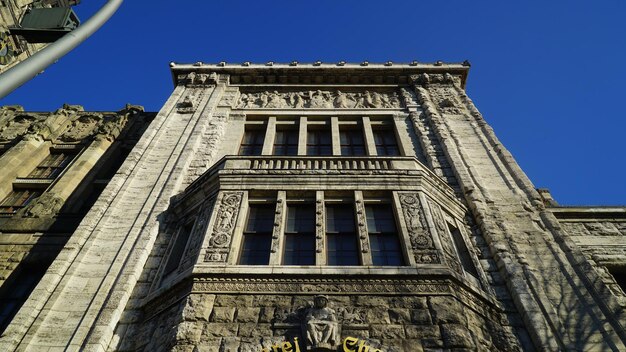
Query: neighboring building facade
column 53, row 167
column 327, row 207
column 49, row 16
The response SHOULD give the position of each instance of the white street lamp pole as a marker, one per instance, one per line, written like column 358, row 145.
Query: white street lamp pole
column 32, row 66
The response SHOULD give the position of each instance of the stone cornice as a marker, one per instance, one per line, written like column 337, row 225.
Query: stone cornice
column 316, row 73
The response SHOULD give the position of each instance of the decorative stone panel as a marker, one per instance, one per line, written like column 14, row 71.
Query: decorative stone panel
column 224, row 222
column 421, row 240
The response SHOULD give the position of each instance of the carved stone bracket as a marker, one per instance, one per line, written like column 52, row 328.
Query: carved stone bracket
column 320, row 99
column 219, row 241
column 195, row 79
column 425, row 79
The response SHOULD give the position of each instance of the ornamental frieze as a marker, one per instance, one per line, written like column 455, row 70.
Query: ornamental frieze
column 224, row 225
column 320, row 99
column 249, row 285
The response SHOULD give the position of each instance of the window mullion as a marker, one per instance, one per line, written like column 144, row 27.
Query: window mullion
column 302, row 136
column 270, row 135
column 370, row 145
column 336, row 139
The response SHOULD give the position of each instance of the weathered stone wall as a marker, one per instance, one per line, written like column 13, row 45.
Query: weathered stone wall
column 251, row 322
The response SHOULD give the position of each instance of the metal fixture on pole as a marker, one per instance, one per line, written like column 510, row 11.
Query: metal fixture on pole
column 32, row 66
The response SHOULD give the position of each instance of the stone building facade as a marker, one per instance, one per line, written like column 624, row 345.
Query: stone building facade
column 328, row 207
column 54, row 166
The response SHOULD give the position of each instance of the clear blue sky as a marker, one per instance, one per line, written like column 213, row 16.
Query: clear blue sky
column 547, row 75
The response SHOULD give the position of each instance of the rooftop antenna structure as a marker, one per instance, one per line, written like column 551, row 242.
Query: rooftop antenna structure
column 35, row 64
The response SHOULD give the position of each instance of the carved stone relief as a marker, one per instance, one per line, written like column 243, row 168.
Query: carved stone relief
column 189, row 103
column 445, row 99
column 319, row 225
column 319, row 99
column 414, row 219
column 197, row 235
column 422, row 244
column 16, row 127
column 81, row 128
column 46, row 205
column 223, row 227
column 362, row 227
column 111, row 128
column 277, row 231
column 229, row 98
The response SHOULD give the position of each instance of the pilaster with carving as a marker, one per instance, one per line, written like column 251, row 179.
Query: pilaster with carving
column 225, row 219
column 320, row 258
column 364, row 241
column 278, row 229
column 421, row 241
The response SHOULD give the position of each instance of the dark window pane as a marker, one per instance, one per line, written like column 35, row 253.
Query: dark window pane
column 299, row 249
column 300, row 235
column 342, row 249
column 257, row 238
column 386, row 249
column 286, row 142
column 385, row 141
column 16, row 200
column 256, row 249
column 179, row 247
column 260, row 218
column 252, row 143
column 380, row 219
column 52, row 165
column 319, row 142
column 339, row 218
column 300, row 218
column 464, row 254
column 351, row 142
column 341, row 241
column 384, row 242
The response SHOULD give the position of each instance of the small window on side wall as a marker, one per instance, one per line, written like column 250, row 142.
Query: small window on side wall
column 463, row 251
column 179, row 248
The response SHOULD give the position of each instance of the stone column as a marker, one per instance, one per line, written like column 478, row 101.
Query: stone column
column 320, row 229
column 302, row 135
column 368, row 136
column 270, row 135
column 334, row 130
column 278, row 232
